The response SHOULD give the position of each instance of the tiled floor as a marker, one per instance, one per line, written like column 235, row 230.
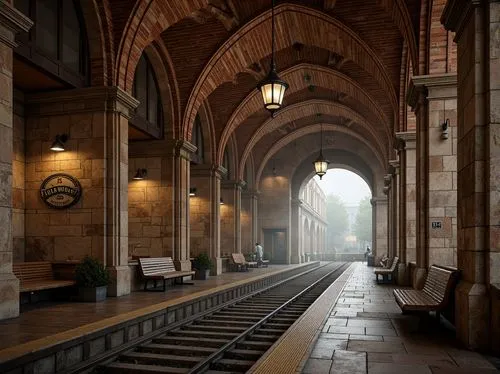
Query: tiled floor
column 367, row 334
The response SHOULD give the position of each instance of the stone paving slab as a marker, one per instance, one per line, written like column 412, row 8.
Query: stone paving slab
column 366, row 333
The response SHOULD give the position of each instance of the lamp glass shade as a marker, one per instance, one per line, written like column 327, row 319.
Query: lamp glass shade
column 273, row 90
column 140, row 174
column 320, row 165
column 57, row 146
column 192, row 191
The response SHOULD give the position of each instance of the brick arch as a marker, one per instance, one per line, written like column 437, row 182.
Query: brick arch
column 167, row 84
column 311, row 26
column 306, row 109
column 99, row 33
column 147, row 20
column 322, row 77
column 314, row 129
column 207, row 125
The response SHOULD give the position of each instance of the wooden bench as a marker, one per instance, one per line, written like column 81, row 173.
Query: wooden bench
column 37, row 276
column 264, row 263
column 240, row 263
column 385, row 272
column 160, row 268
column 433, row 297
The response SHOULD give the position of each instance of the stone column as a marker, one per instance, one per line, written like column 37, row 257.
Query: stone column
column 379, row 226
column 11, row 22
column 407, row 211
column 248, row 239
column 296, row 224
column 394, row 170
column 477, row 27
column 434, row 99
column 205, row 226
column 390, row 192
column 181, row 173
column 96, row 120
column 230, row 219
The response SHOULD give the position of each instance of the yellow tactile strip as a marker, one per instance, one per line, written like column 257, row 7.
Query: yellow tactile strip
column 21, row 350
column 287, row 354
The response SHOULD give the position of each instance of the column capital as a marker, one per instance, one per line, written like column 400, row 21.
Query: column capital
column 378, row 200
column 81, row 100
column 434, row 86
column 297, row 202
column 457, row 13
column 183, row 148
column 14, row 21
column 393, row 169
column 208, row 170
column 233, row 184
column 407, row 139
column 253, row 194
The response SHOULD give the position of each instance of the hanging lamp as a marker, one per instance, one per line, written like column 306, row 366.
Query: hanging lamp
column 272, row 87
column 321, row 164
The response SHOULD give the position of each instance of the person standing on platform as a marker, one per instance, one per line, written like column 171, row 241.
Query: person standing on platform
column 259, row 252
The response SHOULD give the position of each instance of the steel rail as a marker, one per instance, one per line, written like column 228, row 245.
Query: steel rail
column 202, row 365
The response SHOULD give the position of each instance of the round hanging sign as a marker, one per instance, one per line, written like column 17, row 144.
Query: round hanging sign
column 60, row 191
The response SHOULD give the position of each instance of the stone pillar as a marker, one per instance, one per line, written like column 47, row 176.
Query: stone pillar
column 96, row 120
column 379, row 226
column 230, row 218
column 407, row 211
column 248, row 239
column 11, row 22
column 477, row 24
column 295, row 247
column 205, row 225
column 181, row 172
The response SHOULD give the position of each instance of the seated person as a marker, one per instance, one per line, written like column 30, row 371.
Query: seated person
column 384, row 261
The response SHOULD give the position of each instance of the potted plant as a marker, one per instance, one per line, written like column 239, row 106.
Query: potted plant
column 92, row 278
column 202, row 264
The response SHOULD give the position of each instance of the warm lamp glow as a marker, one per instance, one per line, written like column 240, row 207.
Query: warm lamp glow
column 272, row 90
column 58, row 144
column 320, row 165
column 141, row 174
column 192, row 191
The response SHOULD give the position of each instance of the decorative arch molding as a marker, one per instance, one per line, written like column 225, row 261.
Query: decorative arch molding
column 96, row 16
column 295, row 76
column 147, row 20
column 312, row 129
column 161, row 64
column 305, row 109
column 207, row 125
column 240, row 51
column 232, row 149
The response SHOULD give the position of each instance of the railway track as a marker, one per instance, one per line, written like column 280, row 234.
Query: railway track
column 233, row 338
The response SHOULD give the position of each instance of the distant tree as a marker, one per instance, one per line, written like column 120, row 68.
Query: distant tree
column 363, row 223
column 338, row 223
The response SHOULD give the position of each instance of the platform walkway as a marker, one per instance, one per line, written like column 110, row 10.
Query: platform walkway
column 366, row 333
column 47, row 319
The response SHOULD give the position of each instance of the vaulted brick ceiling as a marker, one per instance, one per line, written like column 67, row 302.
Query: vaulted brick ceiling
column 343, row 51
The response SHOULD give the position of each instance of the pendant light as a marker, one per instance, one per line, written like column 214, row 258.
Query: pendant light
column 320, row 164
column 273, row 87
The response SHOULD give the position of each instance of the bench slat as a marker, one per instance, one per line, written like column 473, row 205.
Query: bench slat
column 37, row 276
column 160, row 268
column 434, row 295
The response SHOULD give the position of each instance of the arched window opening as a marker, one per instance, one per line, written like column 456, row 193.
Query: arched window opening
column 58, row 42
column 226, row 165
column 198, row 140
column 149, row 115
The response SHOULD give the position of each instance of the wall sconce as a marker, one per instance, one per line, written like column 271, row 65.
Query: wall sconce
column 221, row 201
column 141, row 174
column 192, row 191
column 444, row 129
column 58, row 144
column 275, row 172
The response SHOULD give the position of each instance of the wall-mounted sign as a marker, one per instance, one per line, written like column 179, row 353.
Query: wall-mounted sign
column 436, row 224
column 60, row 191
